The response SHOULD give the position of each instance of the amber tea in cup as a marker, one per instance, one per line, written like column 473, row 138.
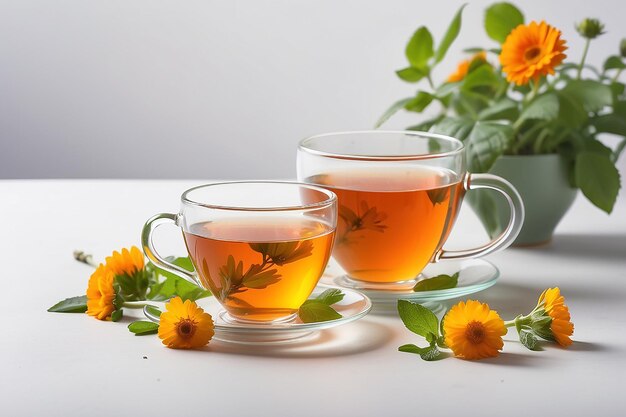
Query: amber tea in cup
column 399, row 194
column 259, row 247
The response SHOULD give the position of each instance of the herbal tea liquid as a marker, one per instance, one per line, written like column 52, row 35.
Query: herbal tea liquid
column 392, row 220
column 259, row 270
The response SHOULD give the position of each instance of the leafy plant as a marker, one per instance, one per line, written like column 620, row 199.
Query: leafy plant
column 495, row 112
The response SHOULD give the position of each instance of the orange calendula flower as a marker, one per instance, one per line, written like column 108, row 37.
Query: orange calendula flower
column 531, row 51
column 463, row 67
column 554, row 305
column 473, row 331
column 127, row 262
column 185, row 325
column 101, row 293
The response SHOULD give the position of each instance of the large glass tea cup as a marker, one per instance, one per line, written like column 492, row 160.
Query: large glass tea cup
column 399, row 193
column 259, row 246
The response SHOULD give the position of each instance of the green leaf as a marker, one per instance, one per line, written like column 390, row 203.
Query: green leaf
column 411, row 348
column 610, row 123
column 544, row 107
column 457, row 127
column 430, row 353
column 593, row 145
column 419, row 102
column 504, row 109
column 76, row 304
column 117, row 315
column 141, row 328
column 593, row 95
column 183, row 262
column 154, row 311
column 528, row 340
column 164, row 290
column 571, row 111
column 436, row 195
column 482, row 76
column 618, row 150
column 440, row 282
column 485, row 143
column 420, row 48
column 258, row 279
column 424, row 127
column 501, row 19
column 617, row 89
column 614, row 62
column 446, row 88
column 313, row 311
column 451, row 34
column 598, row 179
column 188, row 291
column 330, row 296
column 483, row 204
column 418, row 319
column 410, row 74
column 395, row 107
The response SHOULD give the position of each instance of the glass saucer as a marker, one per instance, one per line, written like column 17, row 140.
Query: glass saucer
column 474, row 275
column 353, row 306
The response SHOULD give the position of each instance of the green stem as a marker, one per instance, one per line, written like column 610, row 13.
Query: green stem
column 535, row 90
column 519, row 321
column 138, row 304
column 582, row 62
column 430, row 81
column 617, row 74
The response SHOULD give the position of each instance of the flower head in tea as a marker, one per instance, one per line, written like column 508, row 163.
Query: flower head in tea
column 531, row 51
column 101, row 293
column 549, row 320
column 473, row 331
column 284, row 252
column 366, row 218
column 184, row 325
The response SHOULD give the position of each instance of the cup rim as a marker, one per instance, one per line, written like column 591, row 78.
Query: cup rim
column 411, row 157
column 331, row 198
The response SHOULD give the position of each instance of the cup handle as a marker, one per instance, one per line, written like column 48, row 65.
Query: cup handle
column 153, row 255
column 516, row 219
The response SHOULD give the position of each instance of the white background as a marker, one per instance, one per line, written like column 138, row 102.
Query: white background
column 218, row 89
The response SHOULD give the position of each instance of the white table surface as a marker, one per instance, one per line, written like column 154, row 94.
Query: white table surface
column 73, row 365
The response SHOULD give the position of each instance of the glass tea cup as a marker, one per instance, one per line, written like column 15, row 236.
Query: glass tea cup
column 259, row 246
column 399, row 193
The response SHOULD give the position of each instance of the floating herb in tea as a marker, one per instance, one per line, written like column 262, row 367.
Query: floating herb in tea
column 440, row 282
column 260, row 270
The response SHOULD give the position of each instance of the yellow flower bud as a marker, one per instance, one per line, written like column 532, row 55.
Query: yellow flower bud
column 590, row 28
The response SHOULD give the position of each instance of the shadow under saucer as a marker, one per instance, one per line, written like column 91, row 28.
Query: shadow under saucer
column 359, row 337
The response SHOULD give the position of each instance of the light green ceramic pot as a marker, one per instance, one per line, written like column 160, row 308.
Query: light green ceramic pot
column 543, row 184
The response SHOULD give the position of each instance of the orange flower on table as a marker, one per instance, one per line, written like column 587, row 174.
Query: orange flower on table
column 184, row 325
column 101, row 293
column 531, row 51
column 473, row 331
column 127, row 262
column 561, row 327
column 463, row 67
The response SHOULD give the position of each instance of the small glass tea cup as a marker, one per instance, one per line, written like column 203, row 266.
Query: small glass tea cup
column 399, row 193
column 259, row 246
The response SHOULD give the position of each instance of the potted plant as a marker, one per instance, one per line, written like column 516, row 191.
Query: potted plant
column 526, row 114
